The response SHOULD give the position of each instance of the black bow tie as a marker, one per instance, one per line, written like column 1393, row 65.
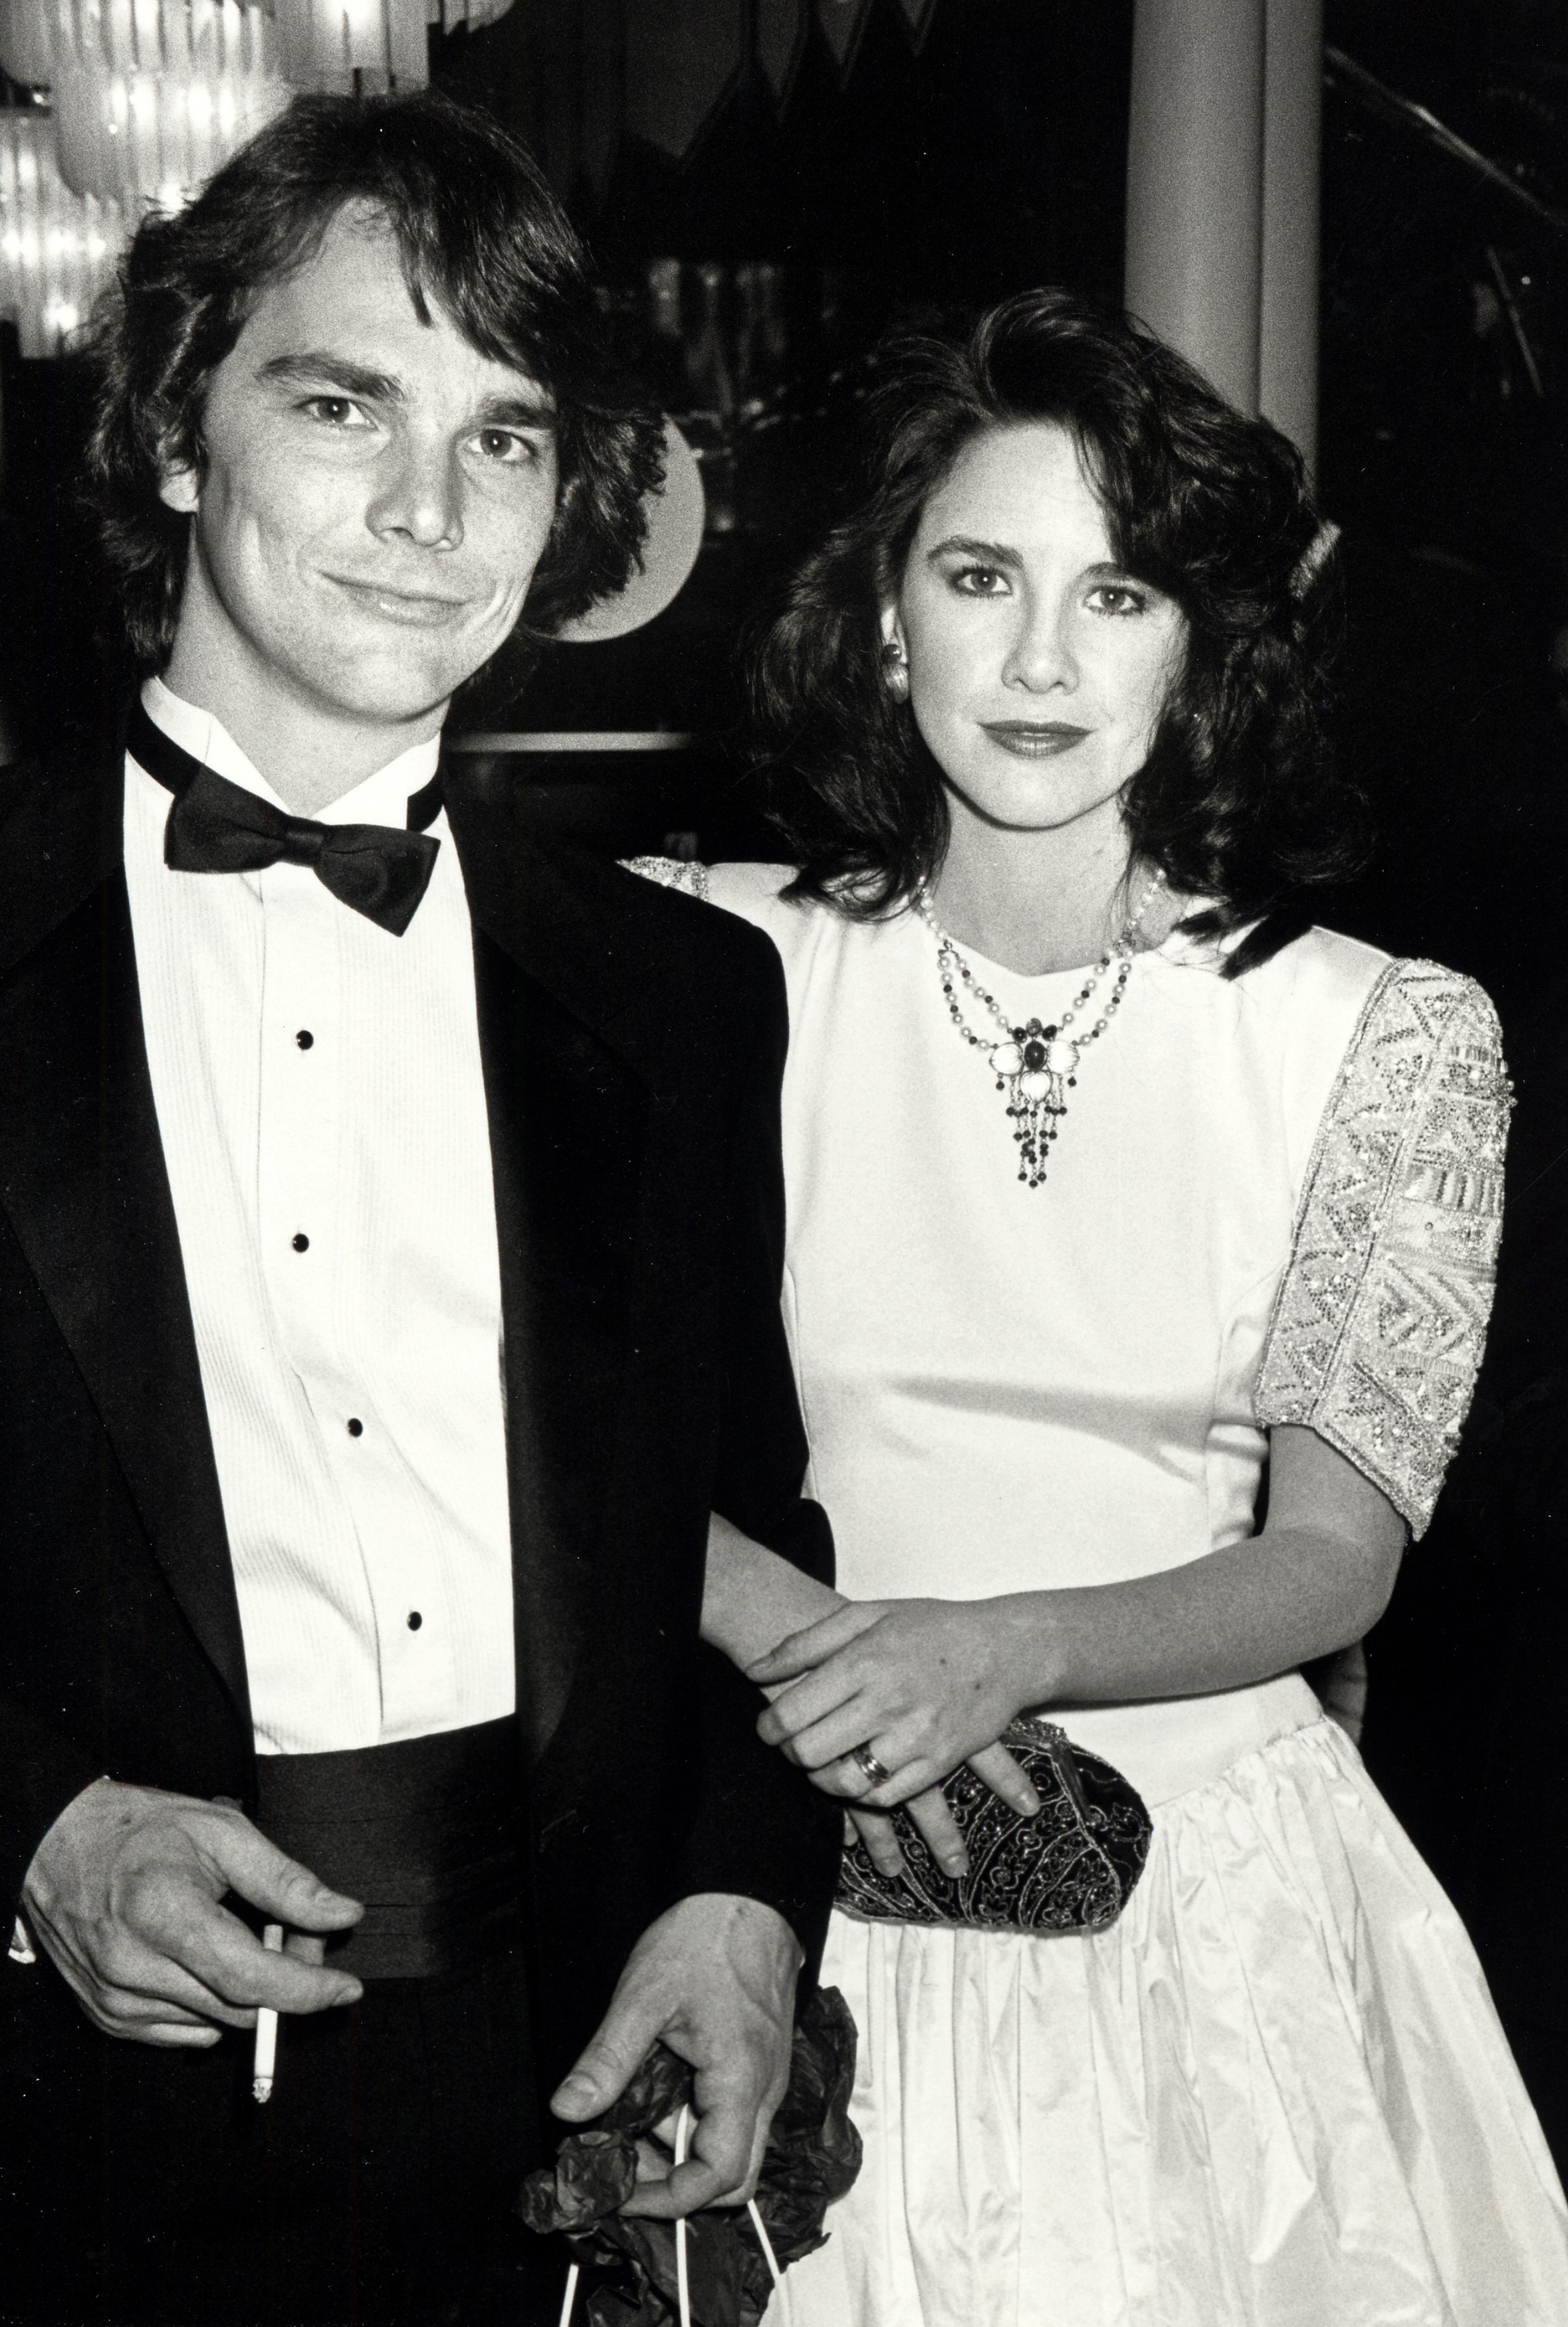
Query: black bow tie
column 217, row 826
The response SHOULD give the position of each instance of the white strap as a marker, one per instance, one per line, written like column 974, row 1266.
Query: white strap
column 781, row 2313
column 682, row 2136
column 683, row 2126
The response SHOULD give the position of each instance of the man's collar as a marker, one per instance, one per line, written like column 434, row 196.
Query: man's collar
column 580, row 927
column 381, row 799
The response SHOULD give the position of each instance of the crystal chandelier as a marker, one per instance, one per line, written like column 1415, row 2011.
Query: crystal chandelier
column 146, row 98
column 149, row 96
column 58, row 250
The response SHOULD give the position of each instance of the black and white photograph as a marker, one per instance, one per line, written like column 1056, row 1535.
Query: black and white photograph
column 783, row 1163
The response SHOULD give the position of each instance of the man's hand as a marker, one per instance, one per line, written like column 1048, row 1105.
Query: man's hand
column 122, row 1897
column 714, row 1978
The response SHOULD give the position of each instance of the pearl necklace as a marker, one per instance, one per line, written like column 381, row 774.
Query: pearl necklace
column 1036, row 1064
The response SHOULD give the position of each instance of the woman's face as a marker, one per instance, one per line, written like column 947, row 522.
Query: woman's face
column 1037, row 667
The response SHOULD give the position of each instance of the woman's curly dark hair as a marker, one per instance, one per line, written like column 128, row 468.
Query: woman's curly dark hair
column 479, row 231
column 1238, row 803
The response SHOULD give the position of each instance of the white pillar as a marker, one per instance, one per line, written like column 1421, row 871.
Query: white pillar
column 1195, row 183
column 1292, row 140
column 1222, row 195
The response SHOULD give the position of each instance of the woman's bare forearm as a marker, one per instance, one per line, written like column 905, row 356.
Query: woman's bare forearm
column 1316, row 1578
column 928, row 1682
column 1239, row 1615
column 752, row 1599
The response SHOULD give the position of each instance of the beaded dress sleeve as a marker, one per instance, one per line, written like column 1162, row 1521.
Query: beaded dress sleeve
column 671, row 873
column 1378, row 1326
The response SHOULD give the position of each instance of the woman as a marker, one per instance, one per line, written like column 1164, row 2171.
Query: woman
column 1140, row 1249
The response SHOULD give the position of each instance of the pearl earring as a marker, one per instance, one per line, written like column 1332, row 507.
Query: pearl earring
column 895, row 670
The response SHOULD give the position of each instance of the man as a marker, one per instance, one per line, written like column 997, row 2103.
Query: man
column 389, row 1235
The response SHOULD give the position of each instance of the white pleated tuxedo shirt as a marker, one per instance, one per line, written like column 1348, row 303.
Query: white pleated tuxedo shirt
column 320, row 1104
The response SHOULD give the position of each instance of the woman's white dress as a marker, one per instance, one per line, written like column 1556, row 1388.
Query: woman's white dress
column 1276, row 2091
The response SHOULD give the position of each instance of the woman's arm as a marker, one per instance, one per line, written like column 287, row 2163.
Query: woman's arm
column 753, row 1602
column 925, row 1681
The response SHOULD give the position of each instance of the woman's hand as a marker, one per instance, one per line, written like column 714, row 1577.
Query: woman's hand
column 926, row 1684
column 933, row 1819
column 752, row 1596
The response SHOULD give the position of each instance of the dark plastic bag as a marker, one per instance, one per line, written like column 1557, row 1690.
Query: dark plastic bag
column 812, row 2157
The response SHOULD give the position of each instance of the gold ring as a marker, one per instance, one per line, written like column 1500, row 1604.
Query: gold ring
column 866, row 1762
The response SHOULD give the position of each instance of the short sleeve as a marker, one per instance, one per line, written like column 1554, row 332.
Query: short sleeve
column 671, row 873
column 1381, row 1316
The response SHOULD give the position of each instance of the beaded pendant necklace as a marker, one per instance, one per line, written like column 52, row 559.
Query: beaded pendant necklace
column 1036, row 1064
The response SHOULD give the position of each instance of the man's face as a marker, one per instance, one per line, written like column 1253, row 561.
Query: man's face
column 377, row 493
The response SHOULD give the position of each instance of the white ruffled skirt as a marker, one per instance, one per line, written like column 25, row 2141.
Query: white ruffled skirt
column 1275, row 2094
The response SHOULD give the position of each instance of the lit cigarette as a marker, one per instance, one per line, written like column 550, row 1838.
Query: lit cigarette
column 267, row 2027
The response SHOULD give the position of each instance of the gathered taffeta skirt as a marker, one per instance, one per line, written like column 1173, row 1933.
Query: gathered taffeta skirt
column 1275, row 2094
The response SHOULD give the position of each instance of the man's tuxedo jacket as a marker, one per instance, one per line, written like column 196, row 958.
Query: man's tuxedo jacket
column 632, row 1043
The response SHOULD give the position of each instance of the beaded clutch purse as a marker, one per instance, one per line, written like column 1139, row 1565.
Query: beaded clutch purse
column 1071, row 1868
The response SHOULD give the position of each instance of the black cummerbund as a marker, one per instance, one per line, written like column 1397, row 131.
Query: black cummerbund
column 424, row 1833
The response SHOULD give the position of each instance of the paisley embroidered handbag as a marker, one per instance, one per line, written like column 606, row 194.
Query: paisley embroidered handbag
column 1071, row 1868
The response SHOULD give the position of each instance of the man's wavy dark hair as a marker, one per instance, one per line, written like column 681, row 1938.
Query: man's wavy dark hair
column 479, row 233
column 1239, row 802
